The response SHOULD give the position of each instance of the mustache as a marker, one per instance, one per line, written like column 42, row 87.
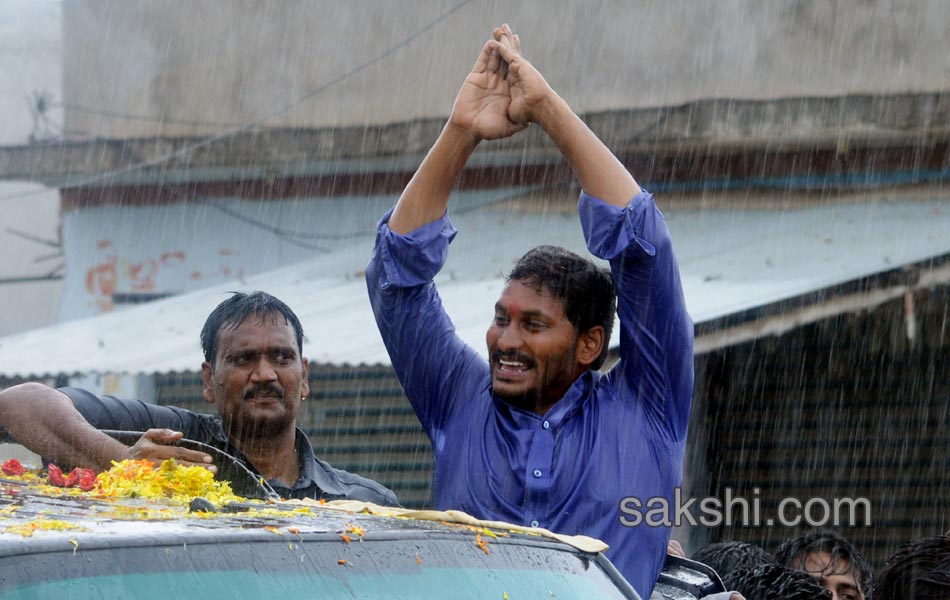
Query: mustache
column 264, row 390
column 511, row 357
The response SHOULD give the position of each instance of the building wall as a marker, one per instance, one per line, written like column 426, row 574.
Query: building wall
column 121, row 254
column 30, row 66
column 214, row 64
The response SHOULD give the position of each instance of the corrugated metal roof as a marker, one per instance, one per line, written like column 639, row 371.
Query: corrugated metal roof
column 731, row 260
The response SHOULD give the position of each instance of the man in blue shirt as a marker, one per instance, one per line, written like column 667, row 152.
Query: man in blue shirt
column 536, row 435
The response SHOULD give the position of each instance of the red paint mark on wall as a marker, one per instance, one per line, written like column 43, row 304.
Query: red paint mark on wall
column 101, row 279
column 113, row 274
column 173, row 258
column 142, row 275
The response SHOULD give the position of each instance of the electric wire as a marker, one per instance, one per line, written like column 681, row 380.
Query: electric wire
column 142, row 118
column 247, row 126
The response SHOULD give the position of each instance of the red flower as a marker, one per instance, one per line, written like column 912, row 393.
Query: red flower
column 72, row 479
column 87, row 480
column 13, row 467
column 55, row 475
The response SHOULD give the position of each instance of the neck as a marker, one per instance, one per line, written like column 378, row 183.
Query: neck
column 274, row 457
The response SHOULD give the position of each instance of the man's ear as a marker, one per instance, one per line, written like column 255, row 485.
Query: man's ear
column 207, row 383
column 589, row 345
column 305, row 387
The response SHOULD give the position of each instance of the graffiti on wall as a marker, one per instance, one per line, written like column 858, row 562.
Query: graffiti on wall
column 167, row 273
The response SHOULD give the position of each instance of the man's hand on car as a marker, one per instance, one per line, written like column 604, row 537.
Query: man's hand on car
column 158, row 445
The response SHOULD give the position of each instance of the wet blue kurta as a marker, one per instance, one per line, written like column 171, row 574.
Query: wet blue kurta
column 611, row 436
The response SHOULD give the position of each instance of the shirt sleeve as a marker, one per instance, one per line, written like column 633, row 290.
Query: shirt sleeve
column 111, row 413
column 430, row 360
column 656, row 333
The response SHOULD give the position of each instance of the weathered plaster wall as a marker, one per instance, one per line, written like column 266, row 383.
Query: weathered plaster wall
column 229, row 62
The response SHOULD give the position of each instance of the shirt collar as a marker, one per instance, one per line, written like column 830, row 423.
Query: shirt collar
column 569, row 404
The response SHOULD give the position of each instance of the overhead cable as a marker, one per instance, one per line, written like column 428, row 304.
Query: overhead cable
column 100, row 177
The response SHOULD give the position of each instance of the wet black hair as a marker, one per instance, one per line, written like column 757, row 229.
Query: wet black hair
column 586, row 290
column 771, row 581
column 727, row 557
column 919, row 570
column 794, row 552
column 236, row 309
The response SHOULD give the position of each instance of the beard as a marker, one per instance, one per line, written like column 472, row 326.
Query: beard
column 251, row 422
column 556, row 378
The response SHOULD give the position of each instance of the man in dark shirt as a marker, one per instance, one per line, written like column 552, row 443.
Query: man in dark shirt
column 256, row 376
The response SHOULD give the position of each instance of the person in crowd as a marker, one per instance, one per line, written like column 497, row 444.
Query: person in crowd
column 919, row 570
column 254, row 373
column 772, row 581
column 536, row 434
column 831, row 559
column 727, row 557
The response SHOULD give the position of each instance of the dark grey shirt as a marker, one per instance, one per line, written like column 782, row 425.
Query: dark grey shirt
column 317, row 478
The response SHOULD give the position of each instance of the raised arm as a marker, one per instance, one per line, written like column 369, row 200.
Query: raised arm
column 480, row 113
column 533, row 101
column 623, row 226
column 45, row 421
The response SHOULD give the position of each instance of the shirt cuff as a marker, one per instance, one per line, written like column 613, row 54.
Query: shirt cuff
column 610, row 230
column 415, row 258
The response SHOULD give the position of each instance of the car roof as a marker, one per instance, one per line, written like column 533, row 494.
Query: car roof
column 39, row 518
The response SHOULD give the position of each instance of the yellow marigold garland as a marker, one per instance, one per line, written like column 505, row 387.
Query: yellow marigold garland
column 139, row 479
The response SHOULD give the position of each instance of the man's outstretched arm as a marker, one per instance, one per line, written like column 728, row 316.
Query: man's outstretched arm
column 533, row 101
column 45, row 421
column 480, row 113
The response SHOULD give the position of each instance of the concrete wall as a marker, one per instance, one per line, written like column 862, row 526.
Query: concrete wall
column 30, row 61
column 209, row 65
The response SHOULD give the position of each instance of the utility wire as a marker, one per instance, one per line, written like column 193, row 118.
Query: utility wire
column 30, row 279
column 289, row 235
column 230, row 134
column 283, row 234
column 33, row 238
column 145, row 118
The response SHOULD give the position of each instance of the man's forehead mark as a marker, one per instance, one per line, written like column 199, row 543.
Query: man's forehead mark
column 513, row 309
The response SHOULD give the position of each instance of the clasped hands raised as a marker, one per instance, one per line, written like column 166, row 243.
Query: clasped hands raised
column 503, row 94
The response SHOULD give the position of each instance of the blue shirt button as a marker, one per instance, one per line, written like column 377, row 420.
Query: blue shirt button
column 535, row 524
column 546, row 425
column 537, row 472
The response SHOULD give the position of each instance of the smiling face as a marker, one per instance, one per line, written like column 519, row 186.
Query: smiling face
column 534, row 350
column 258, row 378
column 837, row 576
